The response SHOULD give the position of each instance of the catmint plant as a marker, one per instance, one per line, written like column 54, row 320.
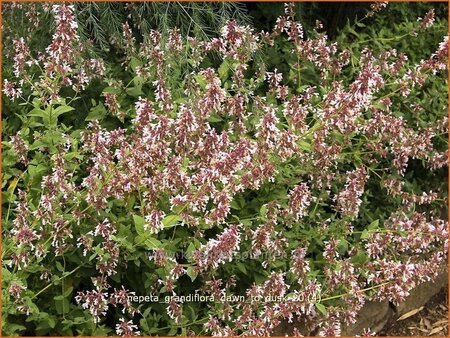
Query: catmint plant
column 199, row 170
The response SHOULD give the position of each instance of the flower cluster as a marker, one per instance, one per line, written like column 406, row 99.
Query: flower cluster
column 348, row 200
column 63, row 65
column 218, row 250
column 98, row 300
column 127, row 329
column 299, row 200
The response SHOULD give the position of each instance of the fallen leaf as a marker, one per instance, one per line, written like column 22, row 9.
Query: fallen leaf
column 427, row 323
column 410, row 313
column 441, row 322
column 436, row 330
column 415, row 328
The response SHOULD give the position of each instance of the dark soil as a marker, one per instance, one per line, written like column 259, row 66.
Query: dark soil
column 432, row 320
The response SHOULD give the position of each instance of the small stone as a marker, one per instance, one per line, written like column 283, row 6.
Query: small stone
column 373, row 316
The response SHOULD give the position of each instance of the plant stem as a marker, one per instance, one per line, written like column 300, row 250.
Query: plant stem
column 362, row 290
column 59, row 279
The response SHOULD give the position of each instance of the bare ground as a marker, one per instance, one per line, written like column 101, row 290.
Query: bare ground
column 432, row 320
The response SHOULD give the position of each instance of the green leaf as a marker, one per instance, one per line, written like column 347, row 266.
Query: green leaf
column 139, row 224
column 234, row 205
column 342, row 247
column 111, row 90
column 201, row 80
column 130, row 202
column 263, row 211
column 38, row 112
column 138, row 80
column 360, row 258
column 365, row 234
column 31, row 306
column 305, row 146
column 374, row 225
column 101, row 331
column 97, row 113
column 191, row 273
column 321, row 308
column 68, row 291
column 223, row 70
column 135, row 91
column 11, row 328
column 185, row 164
column 241, row 267
column 246, row 222
column 214, row 118
column 59, row 266
column 190, row 249
column 6, row 275
column 61, row 110
column 51, row 322
column 191, row 313
column 180, row 100
column 148, row 242
column 134, row 63
column 143, row 324
column 61, row 304
column 171, row 220
column 259, row 278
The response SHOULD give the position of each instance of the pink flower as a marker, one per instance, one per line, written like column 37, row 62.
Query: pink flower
column 96, row 302
column 349, row 200
column 62, row 50
column 376, row 7
column 218, row 251
column 153, row 221
column 104, row 229
column 268, row 131
column 16, row 291
column 174, row 310
column 428, row 20
column 122, row 297
column 127, row 329
column 10, row 90
column 20, row 147
column 299, row 201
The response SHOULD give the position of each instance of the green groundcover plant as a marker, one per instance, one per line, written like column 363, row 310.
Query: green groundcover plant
column 189, row 187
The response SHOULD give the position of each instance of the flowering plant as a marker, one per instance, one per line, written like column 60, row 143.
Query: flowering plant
column 264, row 196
